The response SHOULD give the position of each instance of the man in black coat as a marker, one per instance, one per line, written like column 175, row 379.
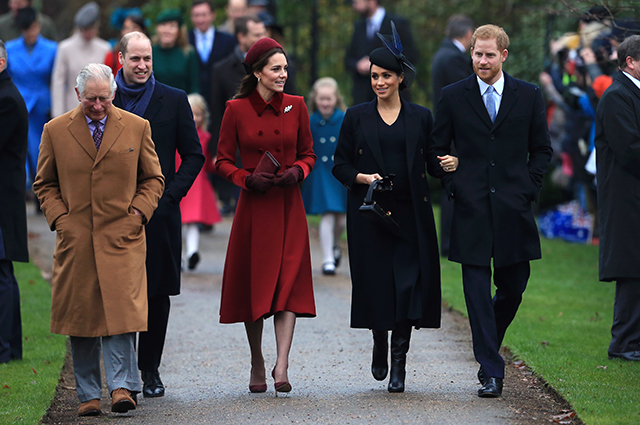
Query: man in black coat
column 14, row 126
column 172, row 129
column 210, row 44
column 499, row 128
column 450, row 64
column 617, row 143
column 374, row 18
column 225, row 80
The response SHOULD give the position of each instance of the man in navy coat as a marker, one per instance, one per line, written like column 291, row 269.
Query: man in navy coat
column 450, row 64
column 618, row 173
column 499, row 128
column 210, row 44
column 172, row 129
column 14, row 122
column 373, row 18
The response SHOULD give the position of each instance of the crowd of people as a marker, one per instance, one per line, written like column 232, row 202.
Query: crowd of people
column 160, row 121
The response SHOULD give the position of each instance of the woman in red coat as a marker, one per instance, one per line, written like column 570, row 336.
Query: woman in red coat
column 268, row 265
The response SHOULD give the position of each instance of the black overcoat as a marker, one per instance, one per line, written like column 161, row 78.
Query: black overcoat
column 172, row 129
column 618, row 163
column 500, row 171
column 14, row 128
column 370, row 248
column 448, row 66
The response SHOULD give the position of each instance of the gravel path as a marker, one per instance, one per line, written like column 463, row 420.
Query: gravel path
column 206, row 365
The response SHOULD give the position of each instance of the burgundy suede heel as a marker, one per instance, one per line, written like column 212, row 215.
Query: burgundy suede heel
column 282, row 387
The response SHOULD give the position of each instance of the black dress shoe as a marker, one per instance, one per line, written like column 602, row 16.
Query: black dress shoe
column 481, row 376
column 337, row 255
column 153, row 386
column 194, row 260
column 633, row 356
column 379, row 365
column 492, row 388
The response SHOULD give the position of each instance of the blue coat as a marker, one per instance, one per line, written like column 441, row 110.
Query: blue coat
column 322, row 193
column 31, row 73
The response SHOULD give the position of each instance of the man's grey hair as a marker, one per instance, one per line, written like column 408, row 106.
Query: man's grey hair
column 3, row 52
column 95, row 71
column 630, row 47
column 458, row 26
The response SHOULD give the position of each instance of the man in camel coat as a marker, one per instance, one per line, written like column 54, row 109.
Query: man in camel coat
column 99, row 181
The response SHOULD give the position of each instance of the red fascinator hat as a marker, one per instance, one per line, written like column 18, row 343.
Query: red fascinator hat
column 258, row 49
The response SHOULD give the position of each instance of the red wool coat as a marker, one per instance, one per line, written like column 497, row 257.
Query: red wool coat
column 199, row 204
column 268, row 264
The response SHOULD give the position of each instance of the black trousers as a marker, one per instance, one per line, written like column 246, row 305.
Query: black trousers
column 446, row 217
column 625, row 331
column 10, row 320
column 490, row 317
column 151, row 343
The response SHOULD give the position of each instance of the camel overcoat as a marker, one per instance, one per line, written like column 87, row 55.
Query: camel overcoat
column 87, row 196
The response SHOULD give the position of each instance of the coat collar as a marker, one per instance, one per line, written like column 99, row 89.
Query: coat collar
column 259, row 105
column 626, row 82
column 509, row 99
column 80, row 131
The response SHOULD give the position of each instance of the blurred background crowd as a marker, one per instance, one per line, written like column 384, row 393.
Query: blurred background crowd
column 566, row 47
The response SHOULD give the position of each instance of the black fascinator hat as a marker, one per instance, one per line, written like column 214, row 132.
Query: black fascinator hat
column 391, row 57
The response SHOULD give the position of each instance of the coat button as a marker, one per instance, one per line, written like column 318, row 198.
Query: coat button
column 492, row 136
column 425, row 199
column 332, row 139
column 325, row 158
column 360, row 151
column 493, row 190
column 276, row 131
column 424, row 176
column 422, row 151
column 278, row 150
column 492, row 163
column 260, row 133
column 322, row 140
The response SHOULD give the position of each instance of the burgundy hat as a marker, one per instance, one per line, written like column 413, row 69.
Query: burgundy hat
column 258, row 49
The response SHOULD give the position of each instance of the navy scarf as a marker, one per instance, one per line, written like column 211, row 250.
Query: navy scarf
column 135, row 97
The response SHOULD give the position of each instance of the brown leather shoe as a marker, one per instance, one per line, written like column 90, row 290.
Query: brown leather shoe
column 90, row 408
column 121, row 401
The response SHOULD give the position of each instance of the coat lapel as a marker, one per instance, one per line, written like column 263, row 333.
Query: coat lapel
column 412, row 131
column 155, row 105
column 475, row 99
column 80, row 131
column 509, row 98
column 369, row 127
column 112, row 130
column 625, row 81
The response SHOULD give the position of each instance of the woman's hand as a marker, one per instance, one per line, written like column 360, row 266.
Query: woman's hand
column 367, row 178
column 448, row 163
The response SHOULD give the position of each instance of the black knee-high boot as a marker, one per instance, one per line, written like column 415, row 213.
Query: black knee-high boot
column 379, row 365
column 400, row 338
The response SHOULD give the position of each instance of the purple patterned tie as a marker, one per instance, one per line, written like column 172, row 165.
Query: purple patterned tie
column 97, row 134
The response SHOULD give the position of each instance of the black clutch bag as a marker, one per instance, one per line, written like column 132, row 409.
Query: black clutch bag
column 374, row 212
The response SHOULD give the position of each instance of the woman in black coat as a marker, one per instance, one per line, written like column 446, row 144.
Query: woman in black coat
column 396, row 278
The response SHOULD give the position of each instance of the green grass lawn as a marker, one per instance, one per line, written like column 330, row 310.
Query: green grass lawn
column 27, row 386
column 562, row 332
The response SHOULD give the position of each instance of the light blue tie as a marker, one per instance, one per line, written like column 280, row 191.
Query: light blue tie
column 490, row 102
